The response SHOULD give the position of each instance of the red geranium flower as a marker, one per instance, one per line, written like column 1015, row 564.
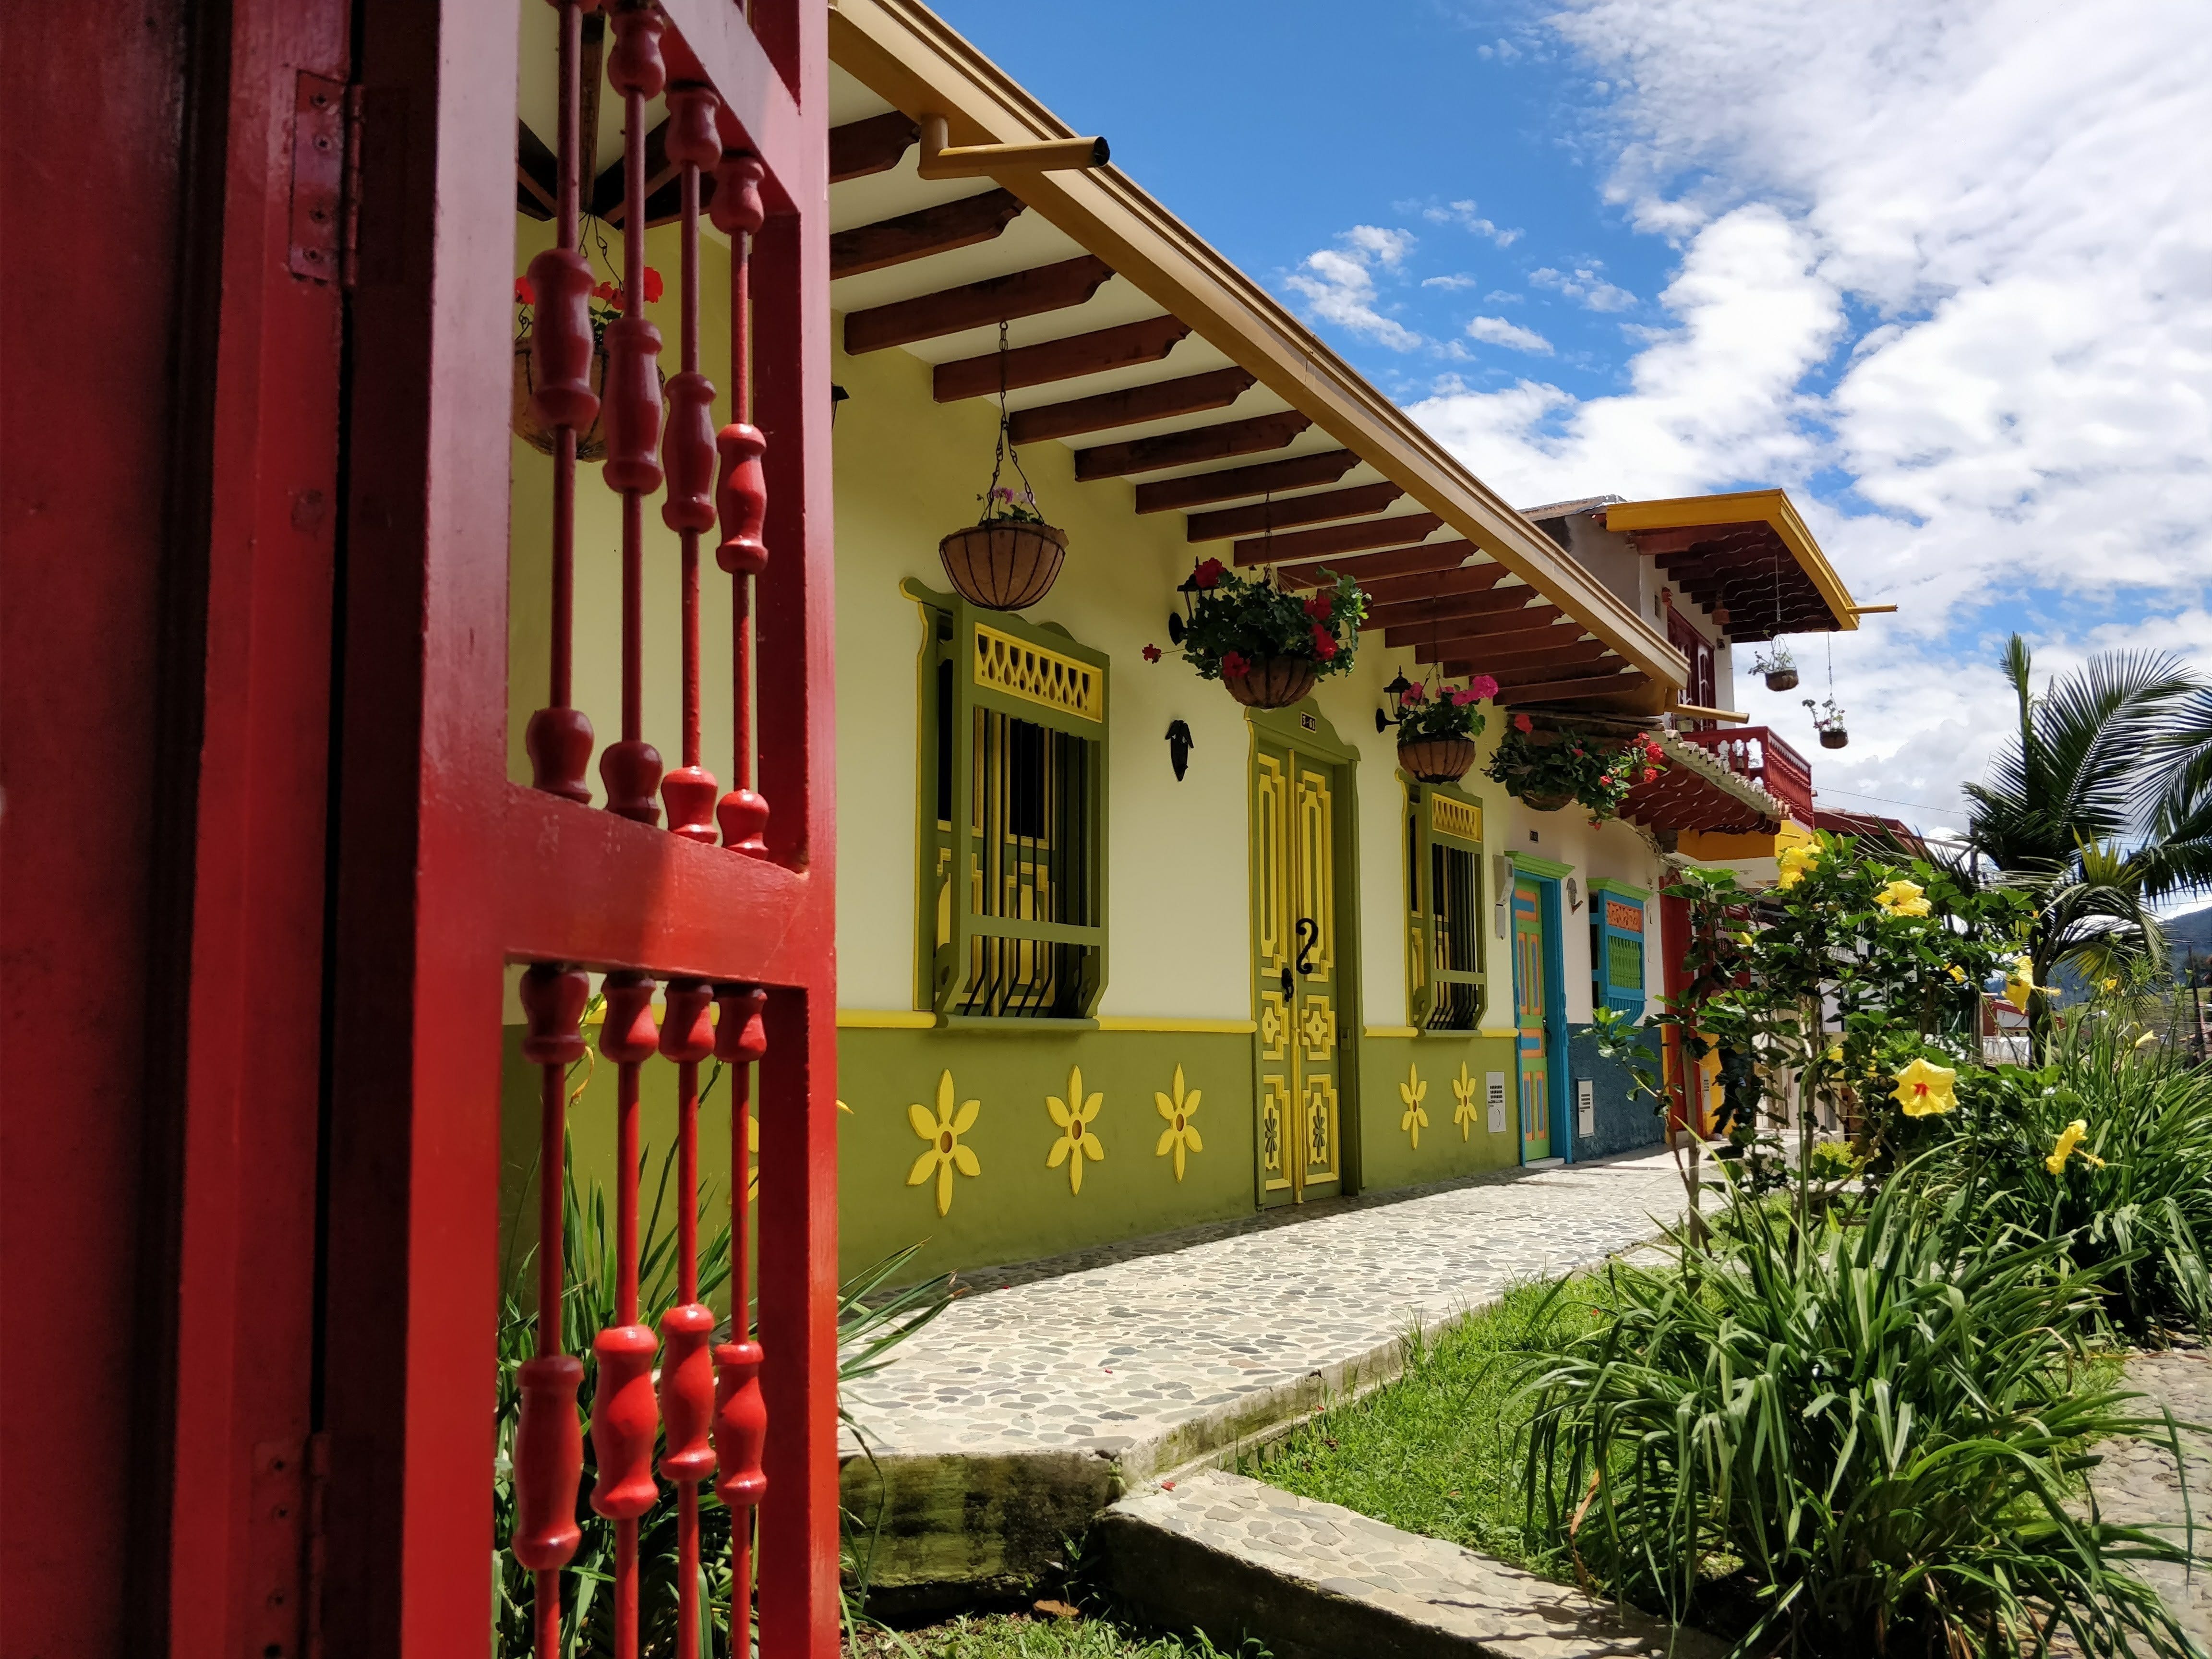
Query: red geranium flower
column 1207, row 573
column 1324, row 642
column 1152, row 653
column 651, row 285
column 1321, row 604
column 1522, row 723
column 1483, row 686
column 1234, row 665
column 608, row 292
column 1465, row 695
column 524, row 294
column 1649, row 773
column 1414, row 694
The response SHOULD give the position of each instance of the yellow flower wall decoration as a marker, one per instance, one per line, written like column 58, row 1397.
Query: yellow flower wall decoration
column 943, row 1132
column 1181, row 1136
column 2070, row 1145
column 1463, row 1088
column 1923, row 1089
column 1075, row 1143
column 1903, row 898
column 1413, row 1092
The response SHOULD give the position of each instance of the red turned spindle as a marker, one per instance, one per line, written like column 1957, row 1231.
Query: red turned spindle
column 625, row 1418
column 688, row 450
column 740, row 1426
column 561, row 340
column 632, row 419
column 741, row 499
column 687, row 1393
column 743, row 815
column 549, row 1461
column 630, row 1035
column 737, row 208
column 553, row 1002
column 687, row 1025
column 559, row 743
column 741, row 1028
column 634, row 65
column 631, row 771
column 690, row 791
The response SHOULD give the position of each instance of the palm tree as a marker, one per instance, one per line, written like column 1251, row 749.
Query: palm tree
column 2100, row 803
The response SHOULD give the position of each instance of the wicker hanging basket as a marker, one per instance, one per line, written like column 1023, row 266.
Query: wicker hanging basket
column 1835, row 738
column 1437, row 760
column 1781, row 679
column 1004, row 565
column 1548, row 800
column 1273, row 681
column 591, row 444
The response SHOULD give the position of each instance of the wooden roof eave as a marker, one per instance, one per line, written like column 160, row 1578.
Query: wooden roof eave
column 909, row 57
column 1769, row 507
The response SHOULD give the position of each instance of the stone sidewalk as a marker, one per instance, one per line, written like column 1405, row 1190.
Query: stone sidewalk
column 1025, row 1411
column 2138, row 1485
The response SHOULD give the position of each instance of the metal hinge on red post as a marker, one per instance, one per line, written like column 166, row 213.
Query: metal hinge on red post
column 325, row 179
column 284, row 1544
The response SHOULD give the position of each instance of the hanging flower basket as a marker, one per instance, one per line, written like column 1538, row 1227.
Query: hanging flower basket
column 1828, row 721
column 1835, row 736
column 1271, row 682
column 1437, row 760
column 1781, row 679
column 1003, row 564
column 1550, row 770
column 1778, row 666
column 1547, row 800
column 591, row 444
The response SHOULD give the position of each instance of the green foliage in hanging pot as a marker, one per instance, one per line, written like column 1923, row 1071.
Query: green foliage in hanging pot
column 1778, row 666
column 1437, row 729
column 1267, row 644
column 1550, row 769
column 1828, row 721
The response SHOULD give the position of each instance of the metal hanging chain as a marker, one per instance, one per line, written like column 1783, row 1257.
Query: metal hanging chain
column 1005, row 450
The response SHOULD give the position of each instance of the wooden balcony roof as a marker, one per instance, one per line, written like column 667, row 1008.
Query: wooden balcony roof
column 1173, row 375
column 1748, row 557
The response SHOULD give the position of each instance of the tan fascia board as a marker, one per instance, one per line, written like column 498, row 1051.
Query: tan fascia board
column 907, row 56
column 1769, row 507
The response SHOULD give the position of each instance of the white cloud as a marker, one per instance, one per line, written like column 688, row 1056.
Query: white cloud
column 1463, row 214
column 1339, row 286
column 1585, row 284
column 1496, row 330
column 1453, row 282
column 1953, row 259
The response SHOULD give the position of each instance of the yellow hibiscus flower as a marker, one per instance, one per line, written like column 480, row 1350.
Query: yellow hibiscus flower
column 1903, row 898
column 2069, row 1145
column 1797, row 862
column 2019, row 982
column 1958, row 973
column 1923, row 1089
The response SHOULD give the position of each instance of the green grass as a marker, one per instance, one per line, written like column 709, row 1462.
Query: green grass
column 1438, row 1450
column 1022, row 1635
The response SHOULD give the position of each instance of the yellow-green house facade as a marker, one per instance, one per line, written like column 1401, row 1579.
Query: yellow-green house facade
column 1117, row 955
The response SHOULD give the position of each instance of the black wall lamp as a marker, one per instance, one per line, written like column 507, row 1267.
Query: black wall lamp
column 1396, row 690
column 1180, row 744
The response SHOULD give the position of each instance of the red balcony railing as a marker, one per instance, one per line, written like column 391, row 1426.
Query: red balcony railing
column 1755, row 753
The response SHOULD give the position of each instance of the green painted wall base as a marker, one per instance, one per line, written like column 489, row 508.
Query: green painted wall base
column 1445, row 1076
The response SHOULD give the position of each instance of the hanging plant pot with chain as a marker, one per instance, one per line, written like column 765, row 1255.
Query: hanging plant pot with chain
column 607, row 303
column 1437, row 726
column 1267, row 644
column 1009, row 557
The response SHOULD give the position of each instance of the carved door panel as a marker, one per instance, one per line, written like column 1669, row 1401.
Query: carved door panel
column 1299, row 972
column 1531, row 1018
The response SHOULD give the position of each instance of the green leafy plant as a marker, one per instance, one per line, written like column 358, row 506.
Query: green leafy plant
column 1237, row 621
column 1598, row 770
column 1852, row 1438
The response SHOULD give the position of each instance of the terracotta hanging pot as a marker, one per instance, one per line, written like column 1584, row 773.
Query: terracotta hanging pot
column 591, row 444
column 1437, row 760
column 1273, row 681
column 1837, row 738
column 1781, row 679
column 1003, row 565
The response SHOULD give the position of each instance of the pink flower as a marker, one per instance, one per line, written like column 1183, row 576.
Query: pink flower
column 1321, row 604
column 1413, row 694
column 651, row 285
column 1208, row 574
column 1522, row 723
column 1233, row 664
column 525, row 294
column 1482, row 686
column 1465, row 695
column 1152, row 653
column 1324, row 643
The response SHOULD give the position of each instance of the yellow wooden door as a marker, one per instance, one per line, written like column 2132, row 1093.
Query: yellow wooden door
column 1299, row 974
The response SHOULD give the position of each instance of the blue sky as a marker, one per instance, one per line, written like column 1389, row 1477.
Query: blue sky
column 1944, row 271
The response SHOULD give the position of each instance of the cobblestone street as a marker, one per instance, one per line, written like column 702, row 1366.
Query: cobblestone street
column 2136, row 1483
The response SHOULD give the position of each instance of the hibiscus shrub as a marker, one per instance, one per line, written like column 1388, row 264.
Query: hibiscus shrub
column 1448, row 711
column 1239, row 622
column 1596, row 770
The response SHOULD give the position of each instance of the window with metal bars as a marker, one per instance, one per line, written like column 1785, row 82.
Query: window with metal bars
column 1443, row 888
column 1012, row 875
column 1617, row 935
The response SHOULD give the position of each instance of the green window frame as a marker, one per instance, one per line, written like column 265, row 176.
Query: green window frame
column 1011, row 885
column 1619, row 928
column 1446, row 921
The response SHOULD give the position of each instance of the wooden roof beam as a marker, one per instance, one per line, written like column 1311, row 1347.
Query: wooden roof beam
column 1513, row 630
column 1535, row 662
column 875, row 145
column 1440, row 584
column 1456, row 608
column 1205, row 443
column 1356, row 502
column 537, row 174
column 1401, row 531
column 1300, row 472
column 1118, row 347
column 606, row 198
column 1573, row 691
column 994, row 300
column 940, row 229
column 1367, row 567
column 1192, row 394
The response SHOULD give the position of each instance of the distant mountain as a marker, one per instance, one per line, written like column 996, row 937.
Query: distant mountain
column 2192, row 928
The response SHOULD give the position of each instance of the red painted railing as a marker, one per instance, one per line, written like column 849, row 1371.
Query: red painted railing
column 1755, row 753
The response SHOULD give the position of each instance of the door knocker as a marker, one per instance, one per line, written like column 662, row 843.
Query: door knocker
column 1309, row 936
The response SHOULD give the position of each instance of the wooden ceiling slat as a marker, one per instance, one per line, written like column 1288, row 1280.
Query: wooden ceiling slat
column 1573, row 691
column 537, row 174
column 1193, row 394
column 606, row 198
column 1300, row 472
column 1455, row 608
column 1356, row 502
column 1119, row 347
column 1364, row 568
column 994, row 300
column 1481, row 647
column 1205, row 443
column 1502, row 665
column 875, row 145
column 1400, row 531
column 1513, row 631
column 940, row 229
column 1442, row 584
